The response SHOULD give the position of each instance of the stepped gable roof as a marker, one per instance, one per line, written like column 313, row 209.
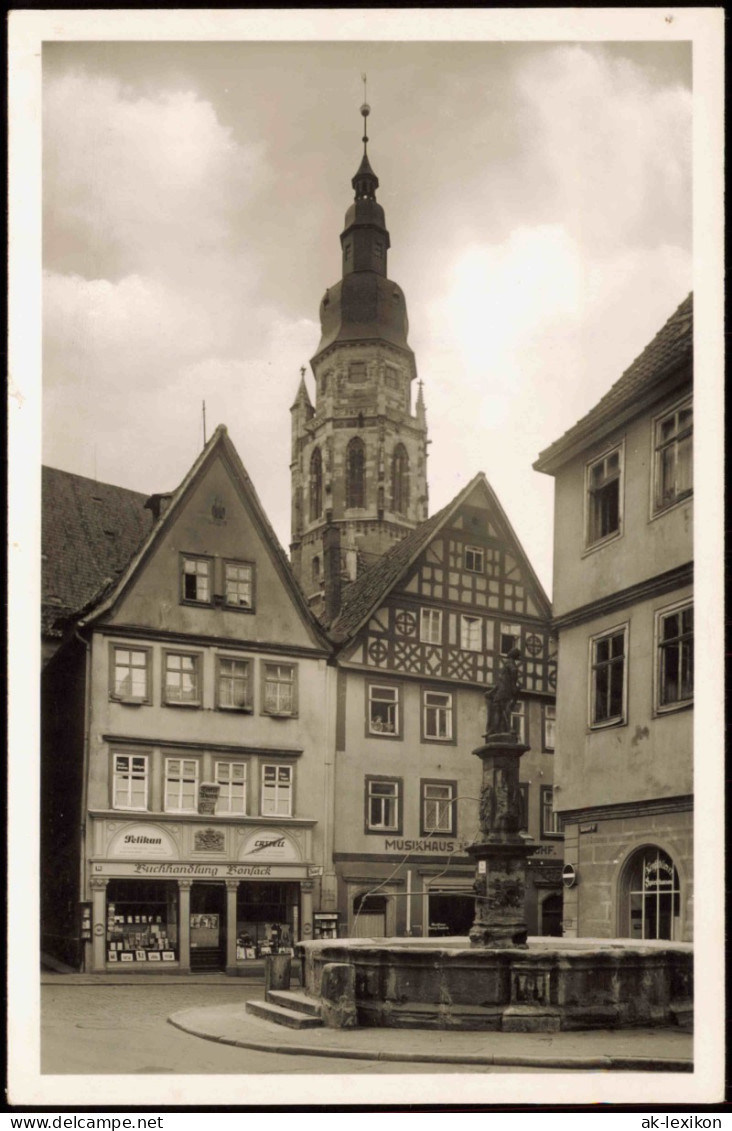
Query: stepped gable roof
column 370, row 589
column 89, row 532
column 666, row 353
column 105, row 598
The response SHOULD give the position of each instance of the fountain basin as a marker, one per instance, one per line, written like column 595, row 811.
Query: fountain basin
column 554, row 984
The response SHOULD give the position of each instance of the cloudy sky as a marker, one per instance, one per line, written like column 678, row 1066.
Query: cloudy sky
column 538, row 198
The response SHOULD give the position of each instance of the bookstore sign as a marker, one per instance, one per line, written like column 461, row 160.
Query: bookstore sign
column 180, row 870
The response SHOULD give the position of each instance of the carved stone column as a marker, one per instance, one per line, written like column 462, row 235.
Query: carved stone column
column 184, row 926
column 98, row 886
column 500, row 882
column 232, row 887
column 306, row 909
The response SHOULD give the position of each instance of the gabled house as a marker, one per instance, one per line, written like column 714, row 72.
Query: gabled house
column 184, row 740
column 624, row 611
column 420, row 637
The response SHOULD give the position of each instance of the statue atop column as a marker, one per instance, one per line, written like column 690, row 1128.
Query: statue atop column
column 502, row 698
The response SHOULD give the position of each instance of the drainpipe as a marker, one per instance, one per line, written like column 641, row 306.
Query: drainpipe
column 85, row 768
column 409, row 902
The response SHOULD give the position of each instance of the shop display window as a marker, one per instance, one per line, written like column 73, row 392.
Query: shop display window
column 142, row 921
column 266, row 920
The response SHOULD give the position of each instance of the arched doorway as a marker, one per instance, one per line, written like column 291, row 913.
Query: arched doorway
column 369, row 917
column 551, row 915
column 650, row 896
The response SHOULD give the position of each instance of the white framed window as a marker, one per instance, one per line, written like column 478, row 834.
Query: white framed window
column 239, row 585
column 549, row 715
column 510, row 637
column 474, row 559
column 383, row 805
column 279, row 690
column 129, row 781
column 437, row 715
column 231, row 778
column 196, row 579
column 673, row 464
column 182, row 678
column 438, row 808
column 233, row 683
column 604, row 497
column 471, row 633
column 277, row 784
column 130, row 674
column 382, row 710
column 550, row 825
column 181, row 785
column 652, row 895
column 518, row 720
column 430, row 626
column 675, row 657
column 608, row 677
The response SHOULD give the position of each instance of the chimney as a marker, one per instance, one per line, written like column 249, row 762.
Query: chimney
column 332, row 572
column 158, row 504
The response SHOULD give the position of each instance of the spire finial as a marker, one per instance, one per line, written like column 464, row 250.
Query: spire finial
column 365, row 111
column 302, row 372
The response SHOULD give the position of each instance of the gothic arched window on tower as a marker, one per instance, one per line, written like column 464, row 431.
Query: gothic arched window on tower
column 355, row 477
column 400, row 480
column 316, row 484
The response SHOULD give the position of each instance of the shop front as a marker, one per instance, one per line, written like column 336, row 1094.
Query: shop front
column 151, row 908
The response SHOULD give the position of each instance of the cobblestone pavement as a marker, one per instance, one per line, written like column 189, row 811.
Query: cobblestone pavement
column 120, row 1029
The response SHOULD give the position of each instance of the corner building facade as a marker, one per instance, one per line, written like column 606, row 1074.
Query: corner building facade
column 185, row 730
column 624, row 611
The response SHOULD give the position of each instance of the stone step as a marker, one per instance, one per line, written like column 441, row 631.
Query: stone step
column 683, row 1014
column 281, row 1016
column 295, row 1000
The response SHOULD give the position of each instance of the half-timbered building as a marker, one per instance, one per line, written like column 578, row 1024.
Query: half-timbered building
column 421, row 636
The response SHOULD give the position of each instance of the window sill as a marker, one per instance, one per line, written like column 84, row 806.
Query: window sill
column 393, row 734
column 129, row 702
column 236, row 608
column 235, row 710
column 279, row 714
column 672, row 708
column 196, row 604
column 432, row 741
column 602, row 542
column 659, row 511
column 595, row 727
column 175, row 703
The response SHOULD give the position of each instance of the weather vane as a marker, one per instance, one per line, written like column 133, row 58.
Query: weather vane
column 365, row 110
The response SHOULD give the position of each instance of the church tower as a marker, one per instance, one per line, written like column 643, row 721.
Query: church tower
column 359, row 454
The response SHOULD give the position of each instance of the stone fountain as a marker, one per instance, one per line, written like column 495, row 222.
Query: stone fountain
column 495, row 979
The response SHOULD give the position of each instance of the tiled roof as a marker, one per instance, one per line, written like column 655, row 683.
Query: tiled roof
column 89, row 533
column 371, row 587
column 671, row 347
